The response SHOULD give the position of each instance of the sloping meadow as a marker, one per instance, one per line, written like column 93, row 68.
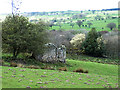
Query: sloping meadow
column 99, row 76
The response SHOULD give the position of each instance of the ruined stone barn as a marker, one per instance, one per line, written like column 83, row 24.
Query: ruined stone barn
column 54, row 53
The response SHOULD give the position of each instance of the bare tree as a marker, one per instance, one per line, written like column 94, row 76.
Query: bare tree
column 15, row 6
column 60, row 37
column 98, row 17
column 78, row 16
column 79, row 23
column 89, row 24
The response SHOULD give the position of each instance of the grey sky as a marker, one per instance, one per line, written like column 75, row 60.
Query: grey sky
column 56, row 5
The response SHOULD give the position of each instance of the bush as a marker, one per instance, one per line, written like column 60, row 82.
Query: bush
column 13, row 64
column 111, row 45
column 20, row 65
column 60, row 37
column 102, row 32
column 1, row 62
column 91, row 46
column 33, row 67
column 77, row 40
column 63, row 69
column 47, row 67
column 86, row 71
column 79, row 70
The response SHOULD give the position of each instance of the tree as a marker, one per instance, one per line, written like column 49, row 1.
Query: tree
column 97, row 17
column 92, row 46
column 59, row 24
column 89, row 24
column 1, row 40
column 111, row 25
column 51, row 24
column 108, row 16
column 14, row 33
column 78, row 16
column 15, row 6
column 79, row 23
column 19, row 35
column 93, row 11
column 60, row 37
column 38, row 39
column 72, row 24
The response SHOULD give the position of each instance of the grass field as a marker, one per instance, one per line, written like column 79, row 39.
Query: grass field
column 97, row 24
column 99, row 76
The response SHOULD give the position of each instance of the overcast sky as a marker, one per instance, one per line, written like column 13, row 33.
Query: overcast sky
column 56, row 5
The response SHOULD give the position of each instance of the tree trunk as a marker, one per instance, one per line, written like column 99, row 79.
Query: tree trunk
column 15, row 53
column 111, row 28
column 89, row 26
column 14, row 56
column 33, row 56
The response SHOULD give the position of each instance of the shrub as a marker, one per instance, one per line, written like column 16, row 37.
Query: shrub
column 47, row 67
column 13, row 64
column 50, row 68
column 60, row 37
column 33, row 67
column 91, row 46
column 1, row 62
column 102, row 32
column 111, row 45
column 63, row 69
column 84, row 31
column 79, row 70
column 77, row 40
column 86, row 71
column 20, row 65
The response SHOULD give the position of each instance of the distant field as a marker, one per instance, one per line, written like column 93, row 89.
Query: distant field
column 97, row 24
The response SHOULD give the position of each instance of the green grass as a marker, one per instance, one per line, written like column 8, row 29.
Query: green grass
column 83, row 57
column 99, row 75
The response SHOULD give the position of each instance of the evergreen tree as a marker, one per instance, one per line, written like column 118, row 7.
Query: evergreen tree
column 91, row 46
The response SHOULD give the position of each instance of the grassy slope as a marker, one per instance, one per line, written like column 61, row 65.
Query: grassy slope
column 99, row 75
